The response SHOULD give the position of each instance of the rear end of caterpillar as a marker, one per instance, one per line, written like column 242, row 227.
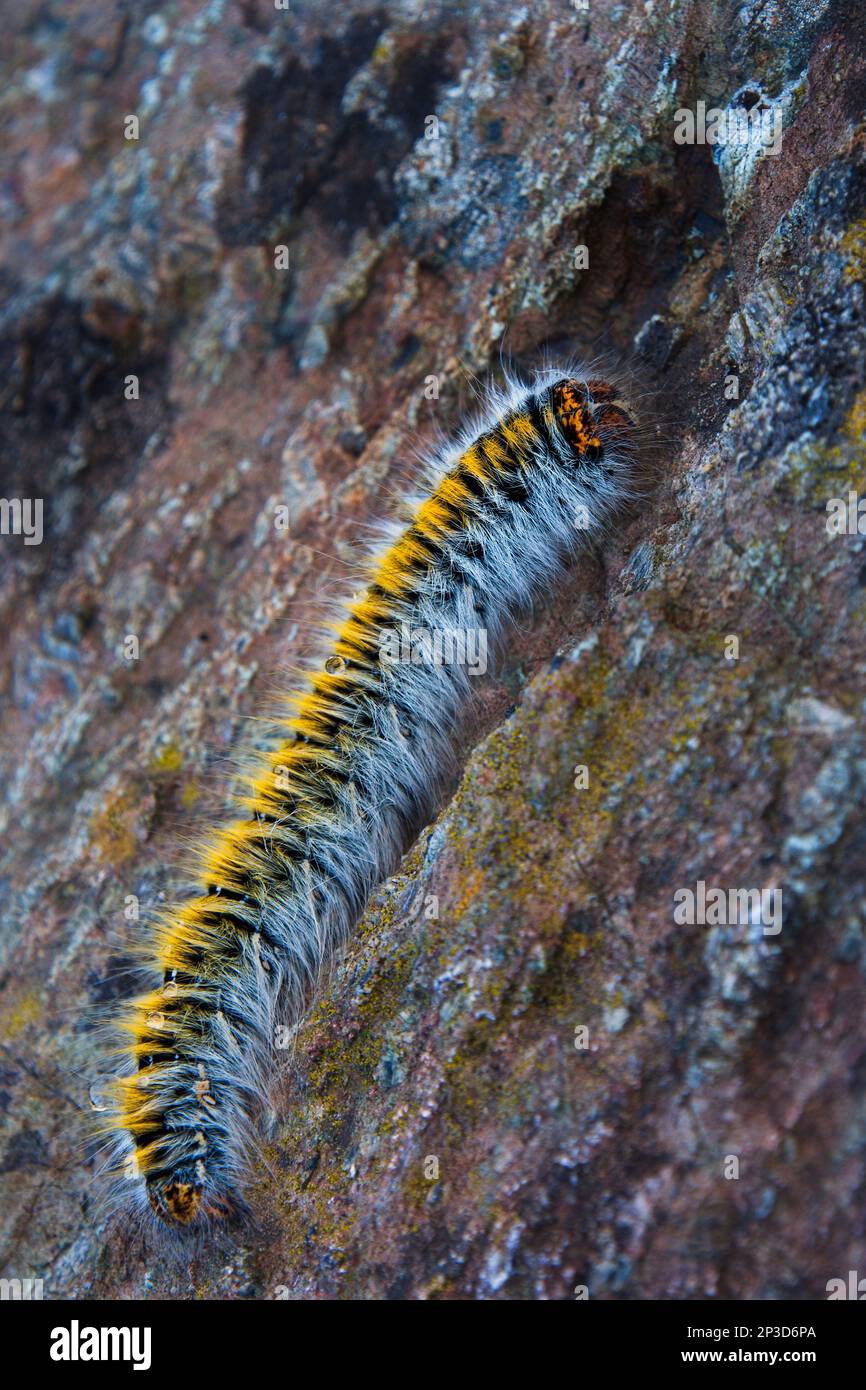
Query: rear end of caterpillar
column 326, row 814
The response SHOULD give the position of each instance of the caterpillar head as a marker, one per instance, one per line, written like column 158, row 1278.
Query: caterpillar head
column 174, row 1200
column 591, row 418
column 183, row 1198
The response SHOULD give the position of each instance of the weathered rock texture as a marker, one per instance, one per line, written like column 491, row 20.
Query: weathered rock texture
column 448, row 1037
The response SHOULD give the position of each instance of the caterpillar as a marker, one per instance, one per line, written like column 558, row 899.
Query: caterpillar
column 363, row 747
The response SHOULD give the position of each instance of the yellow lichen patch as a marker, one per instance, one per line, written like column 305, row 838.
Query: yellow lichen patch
column 854, row 426
column 472, row 889
column 168, row 759
column 18, row 1012
column 113, row 828
column 817, row 471
column 853, row 247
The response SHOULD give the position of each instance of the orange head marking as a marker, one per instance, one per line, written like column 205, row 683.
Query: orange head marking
column 601, row 390
column 175, row 1202
column 189, row 1197
column 614, row 417
column 571, row 409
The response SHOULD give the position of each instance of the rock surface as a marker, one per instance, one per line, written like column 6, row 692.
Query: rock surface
column 439, row 1131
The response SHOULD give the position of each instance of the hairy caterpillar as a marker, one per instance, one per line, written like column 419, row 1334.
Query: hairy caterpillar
column 327, row 812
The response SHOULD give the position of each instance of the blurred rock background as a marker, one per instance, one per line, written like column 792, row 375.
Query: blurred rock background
column 436, row 1133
